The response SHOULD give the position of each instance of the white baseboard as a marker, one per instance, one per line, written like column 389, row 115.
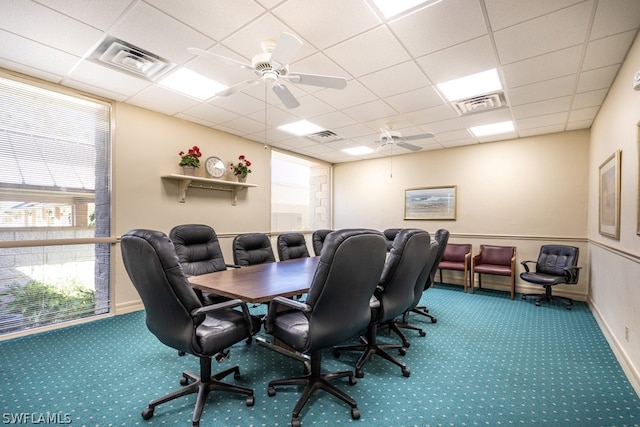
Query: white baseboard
column 629, row 369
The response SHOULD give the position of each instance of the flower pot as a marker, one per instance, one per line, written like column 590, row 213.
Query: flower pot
column 188, row 170
column 242, row 178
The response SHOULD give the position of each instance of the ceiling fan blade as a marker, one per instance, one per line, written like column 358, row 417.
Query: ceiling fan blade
column 285, row 96
column 198, row 51
column 317, row 80
column 420, row 136
column 283, row 53
column 410, row 147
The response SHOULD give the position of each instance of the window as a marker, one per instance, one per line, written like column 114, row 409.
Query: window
column 300, row 193
column 55, row 206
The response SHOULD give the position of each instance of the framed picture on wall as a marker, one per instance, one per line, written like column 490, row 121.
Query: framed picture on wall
column 609, row 196
column 430, row 203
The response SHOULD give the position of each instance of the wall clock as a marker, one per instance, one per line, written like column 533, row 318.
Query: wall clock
column 215, row 167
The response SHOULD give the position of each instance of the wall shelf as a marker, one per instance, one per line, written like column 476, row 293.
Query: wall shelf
column 187, row 181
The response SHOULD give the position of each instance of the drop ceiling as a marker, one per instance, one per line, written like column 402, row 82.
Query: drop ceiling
column 556, row 60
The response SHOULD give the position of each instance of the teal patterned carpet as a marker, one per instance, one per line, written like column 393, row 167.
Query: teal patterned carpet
column 488, row 361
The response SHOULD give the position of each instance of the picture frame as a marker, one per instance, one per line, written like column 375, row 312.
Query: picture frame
column 431, row 203
column 609, row 196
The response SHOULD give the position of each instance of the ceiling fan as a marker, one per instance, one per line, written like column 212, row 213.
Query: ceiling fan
column 390, row 136
column 272, row 66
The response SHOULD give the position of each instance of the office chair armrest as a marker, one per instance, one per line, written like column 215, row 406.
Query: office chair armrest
column 524, row 264
column 573, row 272
column 213, row 307
column 274, row 310
column 233, row 265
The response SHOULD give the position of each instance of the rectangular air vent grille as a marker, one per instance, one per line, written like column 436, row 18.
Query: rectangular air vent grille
column 125, row 57
column 481, row 103
column 324, row 136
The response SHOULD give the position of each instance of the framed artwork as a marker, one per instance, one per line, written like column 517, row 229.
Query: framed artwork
column 437, row 203
column 609, row 196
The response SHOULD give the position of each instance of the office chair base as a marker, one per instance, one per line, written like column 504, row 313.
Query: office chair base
column 548, row 297
column 313, row 381
column 369, row 347
column 193, row 384
column 422, row 310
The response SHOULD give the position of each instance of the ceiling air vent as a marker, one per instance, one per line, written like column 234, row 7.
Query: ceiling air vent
column 479, row 104
column 324, row 136
column 125, row 57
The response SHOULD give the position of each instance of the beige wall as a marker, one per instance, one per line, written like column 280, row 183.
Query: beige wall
column 615, row 264
column 523, row 193
column 146, row 146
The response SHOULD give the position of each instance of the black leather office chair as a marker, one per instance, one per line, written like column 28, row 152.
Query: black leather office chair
column 175, row 315
column 390, row 234
column 198, row 251
column 442, row 237
column 317, row 239
column 393, row 296
column 421, row 284
column 252, row 248
column 556, row 265
column 336, row 308
column 291, row 246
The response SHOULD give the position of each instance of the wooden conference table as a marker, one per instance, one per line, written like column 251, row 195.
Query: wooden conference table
column 261, row 283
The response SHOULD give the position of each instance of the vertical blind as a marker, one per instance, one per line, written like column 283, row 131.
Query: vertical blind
column 55, row 152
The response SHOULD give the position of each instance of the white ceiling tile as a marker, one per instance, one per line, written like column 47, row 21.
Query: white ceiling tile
column 609, row 20
column 239, row 103
column 597, row 79
column 394, row 80
column 370, row 111
column 416, row 99
column 461, row 60
column 328, row 22
column 589, row 99
column 541, row 130
column 100, row 91
column 540, row 108
column 32, row 54
column 544, row 67
column 505, row 13
column 355, row 93
column 542, row 121
column 97, row 13
column 377, row 49
column 41, row 24
column 456, row 135
column 154, row 94
column 548, row 33
column 215, row 19
column 584, row 124
column 607, row 51
column 431, row 29
column 583, row 114
column 430, row 115
column 150, row 29
column 210, row 113
column 547, row 89
column 107, row 78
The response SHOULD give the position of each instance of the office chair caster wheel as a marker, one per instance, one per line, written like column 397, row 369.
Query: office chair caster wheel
column 250, row 401
column 181, row 353
column 147, row 413
column 537, row 303
column 271, row 391
column 352, row 380
column 336, row 353
column 434, row 320
column 359, row 373
column 184, row 381
column 402, row 351
column 423, row 333
column 295, row 422
column 355, row 413
column 406, row 372
column 524, row 297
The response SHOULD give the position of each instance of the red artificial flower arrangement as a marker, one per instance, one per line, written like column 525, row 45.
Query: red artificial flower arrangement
column 242, row 167
column 192, row 158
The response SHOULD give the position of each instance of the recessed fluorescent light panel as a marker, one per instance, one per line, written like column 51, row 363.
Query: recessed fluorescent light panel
column 469, row 86
column 192, row 84
column 391, row 8
column 356, row 151
column 300, row 128
column 492, row 129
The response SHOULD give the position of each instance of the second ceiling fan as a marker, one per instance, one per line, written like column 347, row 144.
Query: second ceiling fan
column 390, row 136
column 272, row 66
